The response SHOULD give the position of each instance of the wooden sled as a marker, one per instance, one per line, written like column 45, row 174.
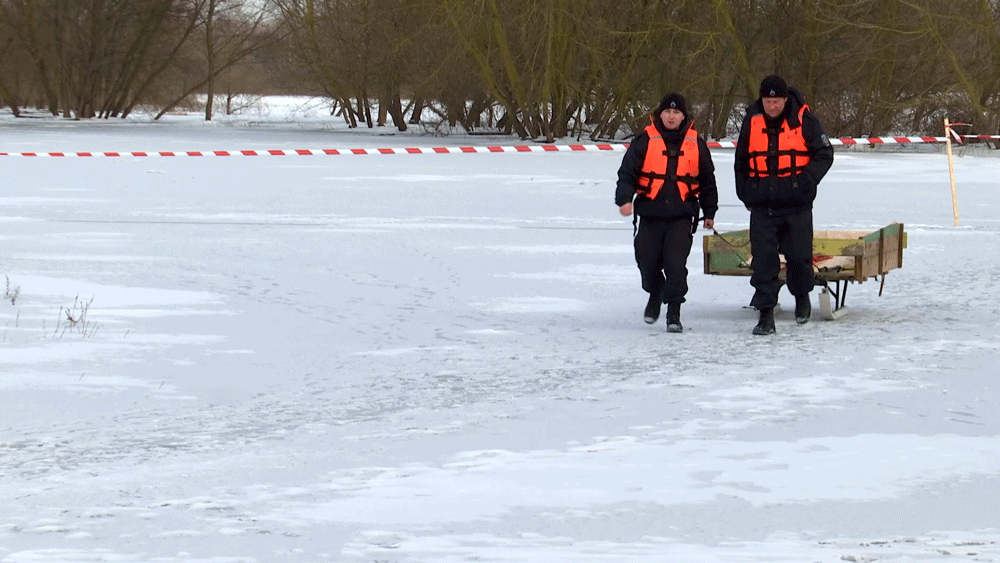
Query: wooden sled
column 839, row 258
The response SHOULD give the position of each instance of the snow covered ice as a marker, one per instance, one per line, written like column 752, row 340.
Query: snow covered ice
column 442, row 358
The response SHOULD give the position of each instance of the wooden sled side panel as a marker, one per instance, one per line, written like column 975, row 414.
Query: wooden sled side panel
column 727, row 254
column 838, row 255
column 839, row 259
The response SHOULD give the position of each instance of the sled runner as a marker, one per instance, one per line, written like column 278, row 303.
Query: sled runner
column 839, row 258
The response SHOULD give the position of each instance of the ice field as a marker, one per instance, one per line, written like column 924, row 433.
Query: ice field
column 441, row 358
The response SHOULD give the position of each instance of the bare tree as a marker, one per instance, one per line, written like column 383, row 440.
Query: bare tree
column 8, row 49
column 98, row 57
column 232, row 34
column 540, row 69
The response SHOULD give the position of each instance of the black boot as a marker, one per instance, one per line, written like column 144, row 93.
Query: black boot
column 674, row 318
column 766, row 323
column 652, row 308
column 803, row 309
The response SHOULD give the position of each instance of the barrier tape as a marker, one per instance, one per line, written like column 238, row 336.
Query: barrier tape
column 981, row 137
column 332, row 152
column 454, row 150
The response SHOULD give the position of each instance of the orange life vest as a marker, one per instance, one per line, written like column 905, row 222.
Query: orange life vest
column 655, row 166
column 792, row 153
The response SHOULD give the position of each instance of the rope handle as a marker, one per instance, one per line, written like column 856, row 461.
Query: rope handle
column 743, row 262
column 729, row 244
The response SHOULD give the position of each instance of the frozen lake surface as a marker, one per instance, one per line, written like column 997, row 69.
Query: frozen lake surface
column 441, row 358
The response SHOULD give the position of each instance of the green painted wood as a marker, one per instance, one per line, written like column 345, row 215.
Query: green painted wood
column 727, row 253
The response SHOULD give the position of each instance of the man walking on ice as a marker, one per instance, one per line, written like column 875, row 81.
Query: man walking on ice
column 781, row 156
column 668, row 172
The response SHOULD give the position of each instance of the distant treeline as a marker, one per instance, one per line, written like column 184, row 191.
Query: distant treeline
column 540, row 69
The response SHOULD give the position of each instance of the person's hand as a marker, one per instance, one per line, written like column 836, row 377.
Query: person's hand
column 626, row 209
column 709, row 223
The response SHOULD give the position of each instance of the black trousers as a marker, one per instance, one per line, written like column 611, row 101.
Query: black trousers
column 662, row 247
column 791, row 235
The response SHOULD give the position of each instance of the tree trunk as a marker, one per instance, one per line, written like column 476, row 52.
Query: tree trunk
column 6, row 97
column 418, row 110
column 365, row 108
column 395, row 109
column 210, row 58
column 383, row 111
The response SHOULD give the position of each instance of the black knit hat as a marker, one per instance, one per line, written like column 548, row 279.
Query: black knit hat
column 773, row 87
column 672, row 101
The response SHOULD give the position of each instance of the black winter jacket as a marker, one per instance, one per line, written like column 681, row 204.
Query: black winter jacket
column 668, row 204
column 789, row 194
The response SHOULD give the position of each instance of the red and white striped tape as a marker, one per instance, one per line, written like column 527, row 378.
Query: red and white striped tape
column 950, row 127
column 332, row 152
column 850, row 142
column 981, row 137
column 450, row 150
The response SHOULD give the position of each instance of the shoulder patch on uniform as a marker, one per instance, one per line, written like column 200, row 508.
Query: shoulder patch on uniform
column 826, row 140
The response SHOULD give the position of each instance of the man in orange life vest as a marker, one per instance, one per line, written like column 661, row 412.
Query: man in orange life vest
column 668, row 171
column 781, row 156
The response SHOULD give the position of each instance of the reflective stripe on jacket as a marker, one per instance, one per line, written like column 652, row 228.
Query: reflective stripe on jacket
column 657, row 163
column 791, row 153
